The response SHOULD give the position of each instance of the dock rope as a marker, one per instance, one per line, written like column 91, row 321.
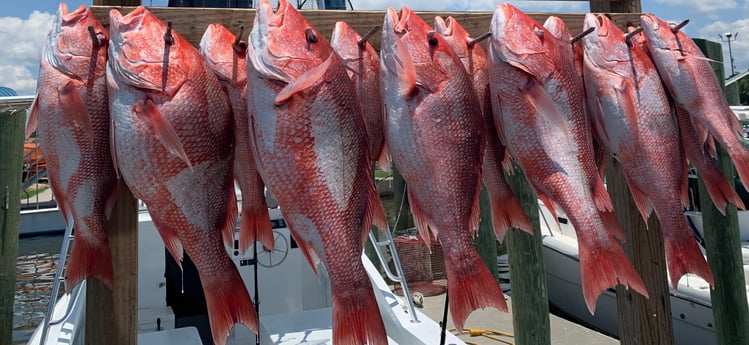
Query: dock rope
column 486, row 333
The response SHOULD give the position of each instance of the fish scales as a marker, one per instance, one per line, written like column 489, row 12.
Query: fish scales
column 71, row 114
column 312, row 152
column 173, row 146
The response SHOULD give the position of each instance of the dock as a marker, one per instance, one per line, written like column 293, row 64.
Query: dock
column 563, row 331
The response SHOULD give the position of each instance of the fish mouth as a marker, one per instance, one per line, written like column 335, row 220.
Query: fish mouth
column 444, row 27
column 258, row 50
column 502, row 15
column 73, row 17
column 121, row 23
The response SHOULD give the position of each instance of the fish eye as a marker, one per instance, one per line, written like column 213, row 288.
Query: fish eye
column 311, row 37
column 431, row 39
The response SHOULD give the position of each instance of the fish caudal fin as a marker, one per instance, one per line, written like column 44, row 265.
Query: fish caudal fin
column 356, row 317
column 89, row 260
column 602, row 267
column 254, row 225
column 721, row 192
column 470, row 286
column 228, row 303
column 684, row 257
column 507, row 213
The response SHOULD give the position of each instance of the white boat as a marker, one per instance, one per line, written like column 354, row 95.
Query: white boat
column 295, row 304
column 691, row 309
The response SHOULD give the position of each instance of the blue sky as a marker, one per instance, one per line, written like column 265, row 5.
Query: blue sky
column 25, row 23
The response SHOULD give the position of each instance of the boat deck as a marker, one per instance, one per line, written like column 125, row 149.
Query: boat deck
column 563, row 332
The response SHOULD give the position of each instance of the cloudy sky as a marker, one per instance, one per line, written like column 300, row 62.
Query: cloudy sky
column 25, row 23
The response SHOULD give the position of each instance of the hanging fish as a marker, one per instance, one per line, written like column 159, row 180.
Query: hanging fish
column 71, row 116
column 172, row 139
column 435, row 134
column 311, row 150
column 539, row 139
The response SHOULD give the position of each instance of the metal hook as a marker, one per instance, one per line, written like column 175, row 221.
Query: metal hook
column 366, row 37
column 168, row 38
column 678, row 27
column 240, row 46
column 478, row 39
column 94, row 37
column 629, row 35
column 582, row 34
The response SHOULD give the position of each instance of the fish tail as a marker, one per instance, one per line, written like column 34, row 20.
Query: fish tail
column 228, row 303
column 89, row 259
column 720, row 190
column 470, row 286
column 684, row 256
column 507, row 213
column 356, row 317
column 255, row 226
column 603, row 266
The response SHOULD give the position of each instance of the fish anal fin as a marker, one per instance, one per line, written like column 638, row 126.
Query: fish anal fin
column 306, row 80
column 383, row 159
column 74, row 106
column 642, row 201
column 612, row 224
column 227, row 231
column 422, row 225
column 601, row 196
column 149, row 112
column 113, row 147
column 112, row 199
column 171, row 241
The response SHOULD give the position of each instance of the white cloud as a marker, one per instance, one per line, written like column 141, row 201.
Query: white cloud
column 740, row 46
column 22, row 41
column 702, row 7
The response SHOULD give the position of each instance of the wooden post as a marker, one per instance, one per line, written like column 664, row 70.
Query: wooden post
column 486, row 241
column 530, row 299
column 11, row 150
column 723, row 245
column 641, row 320
column 112, row 316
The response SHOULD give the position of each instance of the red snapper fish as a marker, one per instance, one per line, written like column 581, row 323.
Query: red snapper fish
column 435, row 134
column 363, row 67
column 71, row 116
column 226, row 56
column 692, row 83
column 506, row 211
column 311, row 149
column 634, row 119
column 172, row 139
column 539, row 140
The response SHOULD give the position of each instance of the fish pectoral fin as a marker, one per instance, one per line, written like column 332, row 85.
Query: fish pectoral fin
column 400, row 64
column 33, row 121
column 149, row 112
column 73, row 104
column 545, row 106
column 306, row 80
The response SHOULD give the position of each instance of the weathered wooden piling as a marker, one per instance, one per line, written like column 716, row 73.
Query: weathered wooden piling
column 11, row 161
column 530, row 298
column 486, row 241
column 723, row 244
column 112, row 316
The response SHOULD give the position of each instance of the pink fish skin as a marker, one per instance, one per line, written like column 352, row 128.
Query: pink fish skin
column 506, row 211
column 173, row 146
column 71, row 112
column 363, row 67
column 693, row 85
column 435, row 134
column 634, row 119
column 226, row 56
column 311, row 150
column 539, row 140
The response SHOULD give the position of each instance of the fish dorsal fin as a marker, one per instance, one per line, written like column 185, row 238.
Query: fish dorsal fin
column 149, row 112
column 33, row 121
column 306, row 80
column 73, row 104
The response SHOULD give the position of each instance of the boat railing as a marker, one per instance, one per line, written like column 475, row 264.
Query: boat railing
column 68, row 237
column 399, row 276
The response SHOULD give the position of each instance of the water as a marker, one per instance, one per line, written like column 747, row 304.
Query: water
column 35, row 272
